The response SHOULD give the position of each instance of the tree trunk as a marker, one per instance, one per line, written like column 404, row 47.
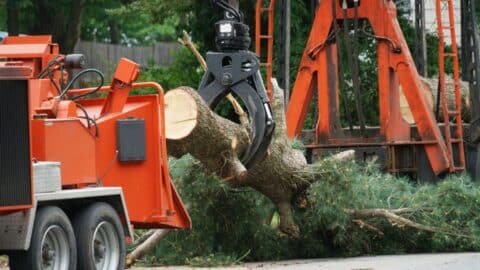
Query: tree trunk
column 114, row 36
column 71, row 36
column 191, row 127
column 216, row 142
column 13, row 24
column 60, row 20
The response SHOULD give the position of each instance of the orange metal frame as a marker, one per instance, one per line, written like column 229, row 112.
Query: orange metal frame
column 457, row 136
column 319, row 70
column 269, row 37
column 59, row 133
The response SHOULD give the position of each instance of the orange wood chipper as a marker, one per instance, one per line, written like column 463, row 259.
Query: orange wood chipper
column 77, row 175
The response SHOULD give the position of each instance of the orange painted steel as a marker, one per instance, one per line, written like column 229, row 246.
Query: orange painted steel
column 269, row 37
column 66, row 140
column 34, row 51
column 318, row 70
column 88, row 152
column 449, row 115
column 151, row 198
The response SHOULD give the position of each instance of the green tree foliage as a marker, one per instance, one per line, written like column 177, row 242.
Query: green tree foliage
column 59, row 18
column 102, row 23
column 197, row 17
column 88, row 19
column 184, row 72
column 232, row 224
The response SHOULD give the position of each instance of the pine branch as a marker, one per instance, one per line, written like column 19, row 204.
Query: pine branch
column 363, row 224
column 392, row 218
column 145, row 247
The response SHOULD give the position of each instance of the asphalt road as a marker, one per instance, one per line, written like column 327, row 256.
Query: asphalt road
column 451, row 261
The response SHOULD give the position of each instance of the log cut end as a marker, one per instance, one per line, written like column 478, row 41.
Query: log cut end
column 181, row 114
column 193, row 128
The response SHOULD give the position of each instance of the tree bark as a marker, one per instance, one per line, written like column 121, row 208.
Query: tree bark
column 217, row 143
column 392, row 217
column 449, row 86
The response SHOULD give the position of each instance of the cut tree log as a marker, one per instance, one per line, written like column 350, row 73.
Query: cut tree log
column 191, row 127
column 449, row 86
column 217, row 143
column 283, row 175
column 430, row 92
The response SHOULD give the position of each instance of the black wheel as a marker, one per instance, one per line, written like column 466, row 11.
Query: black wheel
column 52, row 246
column 100, row 244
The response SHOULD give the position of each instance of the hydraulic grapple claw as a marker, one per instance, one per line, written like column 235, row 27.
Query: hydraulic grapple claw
column 238, row 72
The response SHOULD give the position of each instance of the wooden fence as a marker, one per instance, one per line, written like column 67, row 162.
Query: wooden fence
column 104, row 57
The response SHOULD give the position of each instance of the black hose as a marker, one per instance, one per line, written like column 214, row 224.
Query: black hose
column 52, row 79
column 80, row 74
column 88, row 118
column 48, row 71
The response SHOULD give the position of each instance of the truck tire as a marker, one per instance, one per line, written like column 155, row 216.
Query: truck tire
column 101, row 239
column 52, row 245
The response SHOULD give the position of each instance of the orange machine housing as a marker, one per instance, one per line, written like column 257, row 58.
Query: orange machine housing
column 88, row 150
